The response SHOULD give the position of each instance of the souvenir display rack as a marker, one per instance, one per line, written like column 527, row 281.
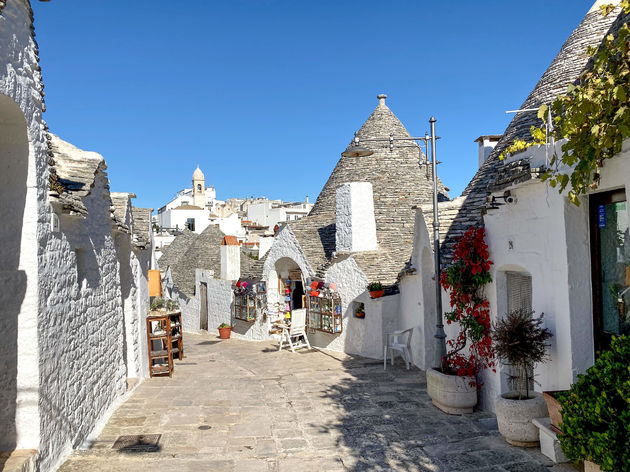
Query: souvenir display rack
column 249, row 299
column 164, row 341
column 245, row 307
column 324, row 308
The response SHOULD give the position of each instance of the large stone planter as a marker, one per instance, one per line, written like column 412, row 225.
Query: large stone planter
column 515, row 418
column 452, row 394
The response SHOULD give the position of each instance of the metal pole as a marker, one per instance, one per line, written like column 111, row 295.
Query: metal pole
column 440, row 335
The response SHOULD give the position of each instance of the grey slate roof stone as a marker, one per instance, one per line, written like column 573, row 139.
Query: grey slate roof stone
column 190, row 251
column 203, row 253
column 178, row 247
column 251, row 269
column 76, row 170
column 514, row 173
column 120, row 204
column 142, row 227
column 398, row 185
column 565, row 69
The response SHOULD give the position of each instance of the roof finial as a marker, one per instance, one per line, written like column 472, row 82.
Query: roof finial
column 381, row 98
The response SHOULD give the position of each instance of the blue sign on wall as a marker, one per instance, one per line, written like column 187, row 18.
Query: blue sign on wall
column 601, row 216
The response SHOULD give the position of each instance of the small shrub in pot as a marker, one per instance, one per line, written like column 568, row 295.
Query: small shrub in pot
column 520, row 340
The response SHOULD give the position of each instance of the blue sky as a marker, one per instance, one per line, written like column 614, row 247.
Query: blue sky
column 264, row 95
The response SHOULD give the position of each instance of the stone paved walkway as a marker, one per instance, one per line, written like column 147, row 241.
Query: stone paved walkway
column 242, row 406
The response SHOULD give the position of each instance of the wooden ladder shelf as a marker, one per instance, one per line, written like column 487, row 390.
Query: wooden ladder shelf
column 164, row 341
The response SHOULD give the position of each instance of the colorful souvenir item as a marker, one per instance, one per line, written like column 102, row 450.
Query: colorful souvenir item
column 314, row 285
column 332, row 287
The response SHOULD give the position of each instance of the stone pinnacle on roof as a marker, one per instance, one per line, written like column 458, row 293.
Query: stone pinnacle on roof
column 399, row 184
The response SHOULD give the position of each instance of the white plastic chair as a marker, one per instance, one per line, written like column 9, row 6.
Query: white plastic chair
column 297, row 330
column 398, row 341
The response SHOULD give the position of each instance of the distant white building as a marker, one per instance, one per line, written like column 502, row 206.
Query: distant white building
column 270, row 213
column 191, row 208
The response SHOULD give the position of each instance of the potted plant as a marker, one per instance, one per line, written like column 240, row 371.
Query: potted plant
column 360, row 311
column 554, row 408
column 453, row 386
column 375, row 289
column 519, row 340
column 171, row 305
column 596, row 412
column 158, row 304
column 224, row 330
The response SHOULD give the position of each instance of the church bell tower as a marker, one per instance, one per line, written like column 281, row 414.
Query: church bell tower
column 199, row 188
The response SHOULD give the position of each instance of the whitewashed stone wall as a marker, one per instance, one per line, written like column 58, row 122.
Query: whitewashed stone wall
column 220, row 301
column 20, row 87
column 141, row 263
column 417, row 291
column 81, row 331
column 63, row 337
column 360, row 336
column 285, row 245
column 190, row 311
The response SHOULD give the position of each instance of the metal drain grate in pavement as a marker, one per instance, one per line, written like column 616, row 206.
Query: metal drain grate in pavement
column 207, row 343
column 138, row 443
column 186, row 363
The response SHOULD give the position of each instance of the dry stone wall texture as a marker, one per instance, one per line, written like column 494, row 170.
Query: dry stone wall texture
column 81, row 332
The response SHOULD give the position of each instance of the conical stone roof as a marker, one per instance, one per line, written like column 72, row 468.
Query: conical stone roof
column 565, row 69
column 398, row 184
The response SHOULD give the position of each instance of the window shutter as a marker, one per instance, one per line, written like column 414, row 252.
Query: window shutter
column 519, row 291
column 519, row 296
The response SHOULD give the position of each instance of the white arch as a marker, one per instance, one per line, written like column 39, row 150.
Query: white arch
column 17, row 313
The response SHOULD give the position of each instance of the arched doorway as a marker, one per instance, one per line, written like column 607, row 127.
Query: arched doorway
column 290, row 284
column 14, row 155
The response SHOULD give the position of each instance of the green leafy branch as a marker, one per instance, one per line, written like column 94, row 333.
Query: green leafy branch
column 593, row 116
column 539, row 137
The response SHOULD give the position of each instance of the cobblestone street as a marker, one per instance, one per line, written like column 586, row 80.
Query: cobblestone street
column 242, row 406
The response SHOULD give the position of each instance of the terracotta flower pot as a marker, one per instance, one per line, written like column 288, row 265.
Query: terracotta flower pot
column 591, row 467
column 377, row 293
column 554, row 409
column 224, row 333
column 359, row 314
column 452, row 394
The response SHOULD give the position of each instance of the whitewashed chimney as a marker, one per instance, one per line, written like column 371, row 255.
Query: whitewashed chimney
column 486, row 145
column 230, row 258
column 356, row 226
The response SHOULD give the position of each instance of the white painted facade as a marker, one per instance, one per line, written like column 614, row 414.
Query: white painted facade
column 546, row 237
column 271, row 212
column 231, row 226
column 66, row 314
column 356, row 226
column 230, row 261
column 179, row 218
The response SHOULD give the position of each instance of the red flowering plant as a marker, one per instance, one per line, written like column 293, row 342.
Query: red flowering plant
column 465, row 280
